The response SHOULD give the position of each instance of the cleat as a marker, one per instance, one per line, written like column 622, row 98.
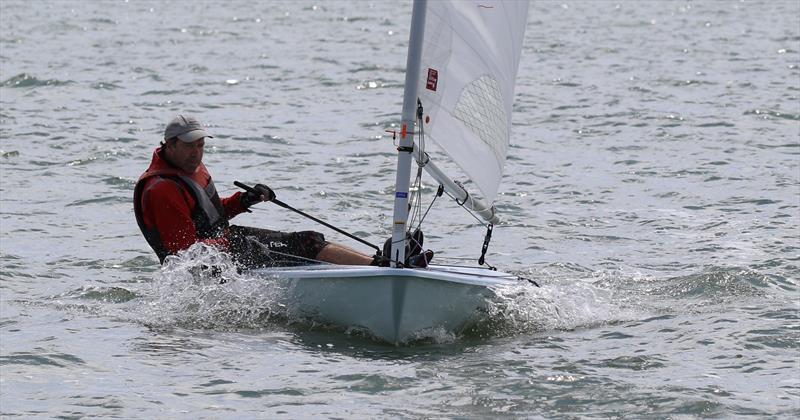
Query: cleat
column 414, row 246
column 420, row 260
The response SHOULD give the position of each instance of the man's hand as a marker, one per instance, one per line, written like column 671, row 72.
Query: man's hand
column 259, row 193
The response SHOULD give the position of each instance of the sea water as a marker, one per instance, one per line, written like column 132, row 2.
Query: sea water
column 652, row 191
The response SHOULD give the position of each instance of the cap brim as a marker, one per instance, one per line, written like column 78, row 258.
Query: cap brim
column 193, row 136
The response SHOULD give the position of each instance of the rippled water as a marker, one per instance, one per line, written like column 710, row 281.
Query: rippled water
column 652, row 189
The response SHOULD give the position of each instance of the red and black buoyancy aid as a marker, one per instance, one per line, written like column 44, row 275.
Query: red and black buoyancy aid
column 208, row 214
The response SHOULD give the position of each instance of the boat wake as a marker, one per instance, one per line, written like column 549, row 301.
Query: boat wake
column 189, row 293
column 592, row 299
column 562, row 304
column 201, row 289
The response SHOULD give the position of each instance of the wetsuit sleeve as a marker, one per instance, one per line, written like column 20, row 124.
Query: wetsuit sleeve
column 233, row 205
column 166, row 207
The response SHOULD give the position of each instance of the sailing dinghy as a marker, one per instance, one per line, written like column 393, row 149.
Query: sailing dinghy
column 459, row 87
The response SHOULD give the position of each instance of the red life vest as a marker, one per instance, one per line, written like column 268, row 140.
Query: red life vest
column 208, row 214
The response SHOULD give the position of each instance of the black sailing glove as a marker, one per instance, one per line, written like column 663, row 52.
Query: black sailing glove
column 259, row 193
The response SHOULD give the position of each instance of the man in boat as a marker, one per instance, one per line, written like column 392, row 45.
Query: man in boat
column 176, row 205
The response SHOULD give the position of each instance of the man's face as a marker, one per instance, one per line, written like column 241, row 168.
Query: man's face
column 186, row 156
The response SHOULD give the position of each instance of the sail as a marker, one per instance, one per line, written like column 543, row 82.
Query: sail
column 470, row 55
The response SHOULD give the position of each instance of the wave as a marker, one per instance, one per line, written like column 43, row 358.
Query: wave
column 767, row 113
column 24, row 80
column 100, row 294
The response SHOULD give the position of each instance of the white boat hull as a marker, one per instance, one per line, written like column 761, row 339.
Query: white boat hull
column 393, row 304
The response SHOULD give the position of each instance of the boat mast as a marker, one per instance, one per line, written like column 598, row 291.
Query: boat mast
column 406, row 145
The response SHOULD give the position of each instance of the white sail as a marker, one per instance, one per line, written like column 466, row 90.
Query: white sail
column 470, row 56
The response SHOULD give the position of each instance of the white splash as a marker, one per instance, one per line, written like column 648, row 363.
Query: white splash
column 201, row 287
column 557, row 305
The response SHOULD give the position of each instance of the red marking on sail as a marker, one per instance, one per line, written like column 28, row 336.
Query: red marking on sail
column 433, row 79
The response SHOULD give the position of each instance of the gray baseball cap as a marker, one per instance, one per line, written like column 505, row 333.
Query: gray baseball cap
column 187, row 129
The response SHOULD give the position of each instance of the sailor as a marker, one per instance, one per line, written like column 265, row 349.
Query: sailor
column 176, row 205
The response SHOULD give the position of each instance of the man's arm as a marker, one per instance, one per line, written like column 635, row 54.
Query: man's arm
column 233, row 205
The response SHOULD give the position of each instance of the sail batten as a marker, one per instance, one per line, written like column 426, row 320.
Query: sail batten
column 470, row 56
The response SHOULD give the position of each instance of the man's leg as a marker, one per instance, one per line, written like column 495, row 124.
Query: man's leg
column 307, row 244
column 340, row 254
